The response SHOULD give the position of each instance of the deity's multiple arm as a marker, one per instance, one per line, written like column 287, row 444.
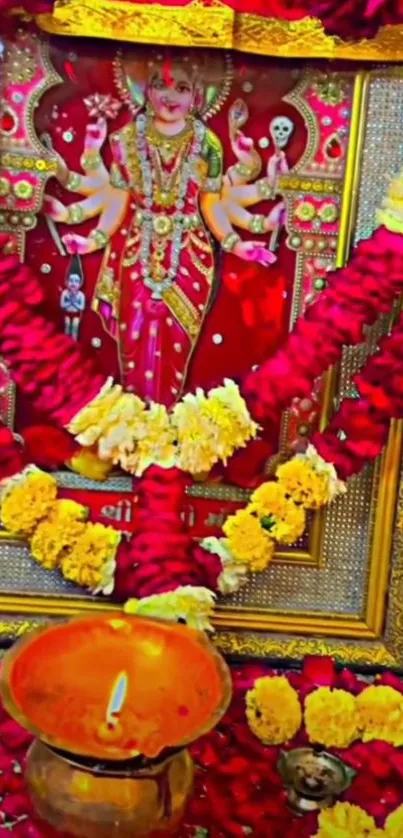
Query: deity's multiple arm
column 223, row 202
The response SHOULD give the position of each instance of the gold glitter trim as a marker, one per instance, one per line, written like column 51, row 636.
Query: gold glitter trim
column 183, row 310
column 199, row 24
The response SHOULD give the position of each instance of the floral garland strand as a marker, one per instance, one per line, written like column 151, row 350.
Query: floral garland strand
column 49, row 367
column 202, row 429
column 355, row 297
column 59, row 535
column 359, row 430
column 159, row 557
column 276, row 514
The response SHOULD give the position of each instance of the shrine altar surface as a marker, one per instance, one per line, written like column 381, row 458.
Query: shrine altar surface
column 339, row 131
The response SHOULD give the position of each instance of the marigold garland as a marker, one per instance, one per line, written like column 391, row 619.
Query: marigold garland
column 60, row 537
column 201, row 430
column 276, row 513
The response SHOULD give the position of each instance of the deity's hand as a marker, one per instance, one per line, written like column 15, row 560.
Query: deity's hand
column 95, row 135
column 55, row 209
column 277, row 216
column 276, row 167
column 254, row 252
column 242, row 146
column 62, row 171
column 78, row 244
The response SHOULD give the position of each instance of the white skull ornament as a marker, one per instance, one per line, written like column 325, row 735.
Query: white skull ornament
column 281, row 128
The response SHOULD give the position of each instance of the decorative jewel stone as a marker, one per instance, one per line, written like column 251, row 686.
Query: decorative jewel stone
column 295, row 241
column 45, row 268
column 326, row 121
column 305, row 211
column 131, row 365
column 328, row 212
column 96, row 343
column 23, row 189
column 264, row 142
column 217, row 339
column 177, row 347
column 149, row 375
column 4, row 187
column 68, row 136
column 319, row 284
column 123, row 327
column 333, row 149
column 309, row 244
column 247, row 87
column 8, row 122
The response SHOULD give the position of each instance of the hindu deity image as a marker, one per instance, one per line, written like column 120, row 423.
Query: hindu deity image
column 162, row 207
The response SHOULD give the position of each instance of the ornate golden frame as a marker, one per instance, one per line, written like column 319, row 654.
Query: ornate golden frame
column 374, row 636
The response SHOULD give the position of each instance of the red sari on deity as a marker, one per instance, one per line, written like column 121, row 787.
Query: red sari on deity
column 157, row 274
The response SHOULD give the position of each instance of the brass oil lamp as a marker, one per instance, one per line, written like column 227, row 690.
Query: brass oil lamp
column 113, row 701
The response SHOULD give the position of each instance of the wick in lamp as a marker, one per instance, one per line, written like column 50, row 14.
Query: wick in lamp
column 113, row 701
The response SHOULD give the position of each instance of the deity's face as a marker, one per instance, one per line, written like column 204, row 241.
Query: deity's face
column 74, row 282
column 172, row 98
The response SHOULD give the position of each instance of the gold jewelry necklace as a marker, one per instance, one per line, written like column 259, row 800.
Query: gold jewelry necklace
column 169, row 147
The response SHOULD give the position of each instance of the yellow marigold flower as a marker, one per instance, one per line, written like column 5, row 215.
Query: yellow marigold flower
column 91, row 562
column 310, row 480
column 247, row 541
column 88, row 424
column 303, row 484
column 192, row 604
column 51, row 543
column 80, row 574
column 273, row 710
column 380, row 715
column 69, row 510
column 89, row 465
column 394, row 824
column 155, row 439
column 26, row 500
column 284, row 520
column 211, row 428
column 331, row 718
column 345, row 821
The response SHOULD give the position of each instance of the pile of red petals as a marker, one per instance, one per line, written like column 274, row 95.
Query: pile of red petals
column 161, row 555
column 238, row 790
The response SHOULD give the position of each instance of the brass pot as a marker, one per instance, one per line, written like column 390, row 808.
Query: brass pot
column 87, row 799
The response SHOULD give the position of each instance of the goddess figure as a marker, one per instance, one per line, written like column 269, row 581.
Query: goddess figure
column 160, row 206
